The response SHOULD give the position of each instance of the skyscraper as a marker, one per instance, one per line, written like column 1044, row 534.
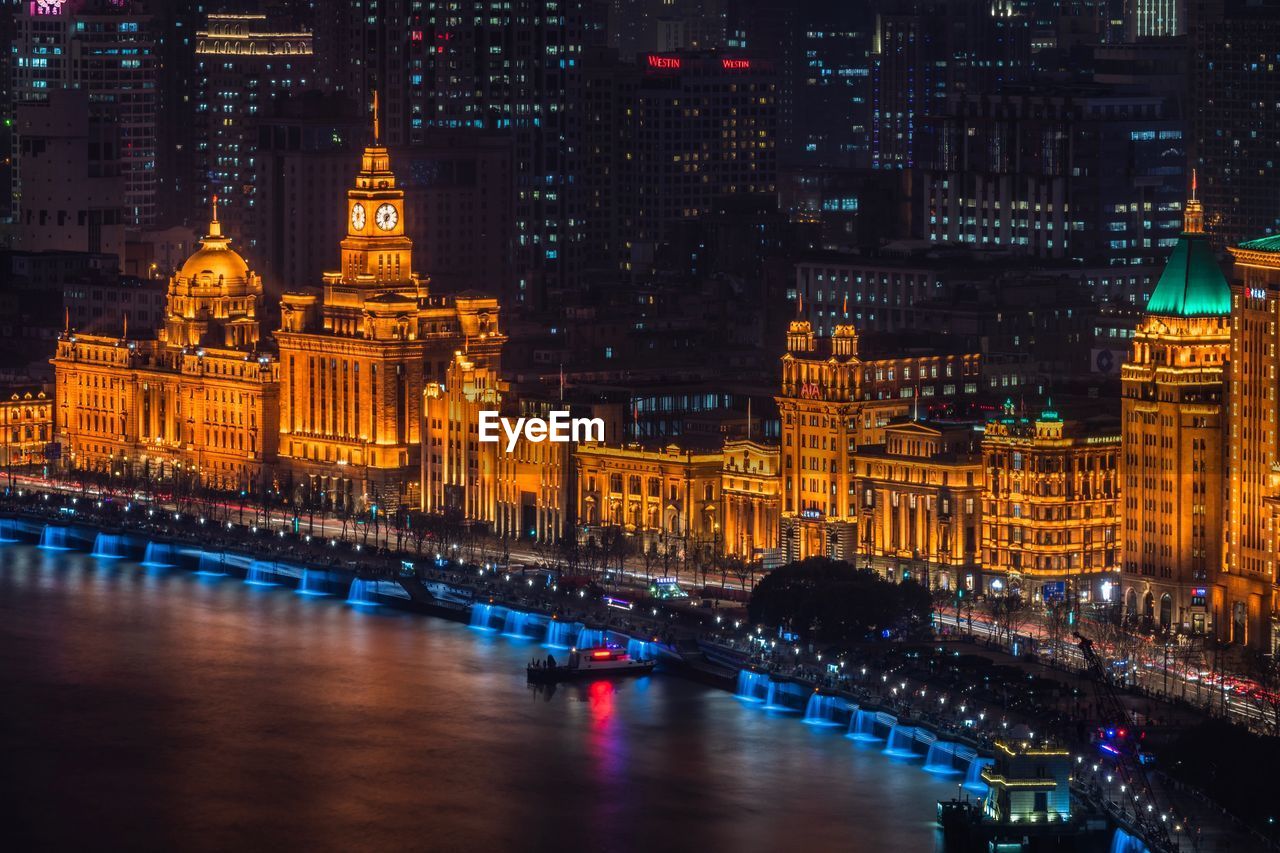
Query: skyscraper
column 243, row 63
column 1173, row 422
column 1235, row 123
column 107, row 49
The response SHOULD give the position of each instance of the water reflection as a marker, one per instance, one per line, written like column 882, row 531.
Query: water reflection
column 169, row 711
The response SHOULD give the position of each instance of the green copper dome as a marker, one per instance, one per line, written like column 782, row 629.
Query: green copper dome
column 1192, row 284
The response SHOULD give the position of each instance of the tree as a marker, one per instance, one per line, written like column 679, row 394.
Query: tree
column 834, row 602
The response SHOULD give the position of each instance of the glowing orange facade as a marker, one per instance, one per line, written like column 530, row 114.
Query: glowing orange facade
column 919, row 504
column 1051, row 514
column 521, row 493
column 831, row 403
column 668, row 498
column 356, row 359
column 197, row 402
column 1253, row 497
column 26, row 421
column 750, row 486
column 1173, row 431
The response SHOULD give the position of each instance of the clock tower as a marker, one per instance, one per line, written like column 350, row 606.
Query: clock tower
column 358, row 356
column 376, row 254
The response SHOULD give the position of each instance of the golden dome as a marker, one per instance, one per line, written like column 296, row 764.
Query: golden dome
column 215, row 262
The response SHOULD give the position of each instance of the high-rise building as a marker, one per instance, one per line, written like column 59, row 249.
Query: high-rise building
column 1051, row 514
column 706, row 128
column 1154, row 19
column 71, row 171
column 1083, row 175
column 243, row 64
column 8, row 28
column 193, row 401
column 518, row 70
column 356, row 358
column 1235, row 123
column 1253, row 447
column 924, row 52
column 105, row 48
column 1173, row 429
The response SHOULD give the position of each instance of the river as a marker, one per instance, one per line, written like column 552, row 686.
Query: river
column 157, row 709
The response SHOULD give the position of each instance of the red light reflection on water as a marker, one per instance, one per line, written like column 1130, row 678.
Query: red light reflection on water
column 600, row 700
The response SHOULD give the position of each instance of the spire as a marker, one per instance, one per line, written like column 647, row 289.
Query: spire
column 1192, row 284
column 1193, row 216
column 377, row 130
column 215, row 227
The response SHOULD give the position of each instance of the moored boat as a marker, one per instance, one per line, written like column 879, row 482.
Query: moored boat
column 596, row 662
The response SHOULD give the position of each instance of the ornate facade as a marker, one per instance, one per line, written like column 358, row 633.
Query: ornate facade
column 1051, row 513
column 833, row 402
column 919, row 504
column 26, row 418
column 357, row 358
column 523, row 493
column 1173, row 423
column 195, row 400
column 752, row 503
column 1253, row 496
column 669, row 498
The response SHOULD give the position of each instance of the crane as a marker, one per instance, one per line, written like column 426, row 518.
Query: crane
column 1128, row 762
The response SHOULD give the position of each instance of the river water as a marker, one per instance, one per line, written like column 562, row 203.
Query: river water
column 156, row 709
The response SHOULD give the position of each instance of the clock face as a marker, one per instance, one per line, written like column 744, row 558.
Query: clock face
column 357, row 216
column 386, row 217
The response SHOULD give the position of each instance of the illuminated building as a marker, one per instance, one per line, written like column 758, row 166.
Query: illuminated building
column 918, row 501
column 242, row 65
column 752, row 502
column 356, row 358
column 521, row 493
column 26, row 427
column 105, row 48
column 831, row 403
column 1029, row 784
column 668, row 498
column 924, row 52
column 1172, row 434
column 1105, row 183
column 197, row 403
column 1154, row 19
column 513, row 67
column 1051, row 519
column 706, row 127
column 456, row 184
column 1253, row 498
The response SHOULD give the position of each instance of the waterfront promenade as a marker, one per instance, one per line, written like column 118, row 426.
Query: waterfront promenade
column 868, row 679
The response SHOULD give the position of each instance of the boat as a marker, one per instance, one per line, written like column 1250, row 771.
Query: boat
column 595, row 662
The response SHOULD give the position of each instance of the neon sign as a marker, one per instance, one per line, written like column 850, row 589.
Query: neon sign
column 810, row 391
column 730, row 64
column 663, row 61
column 1257, row 293
column 47, row 7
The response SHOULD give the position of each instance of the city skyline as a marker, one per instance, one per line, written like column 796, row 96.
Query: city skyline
column 926, row 354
